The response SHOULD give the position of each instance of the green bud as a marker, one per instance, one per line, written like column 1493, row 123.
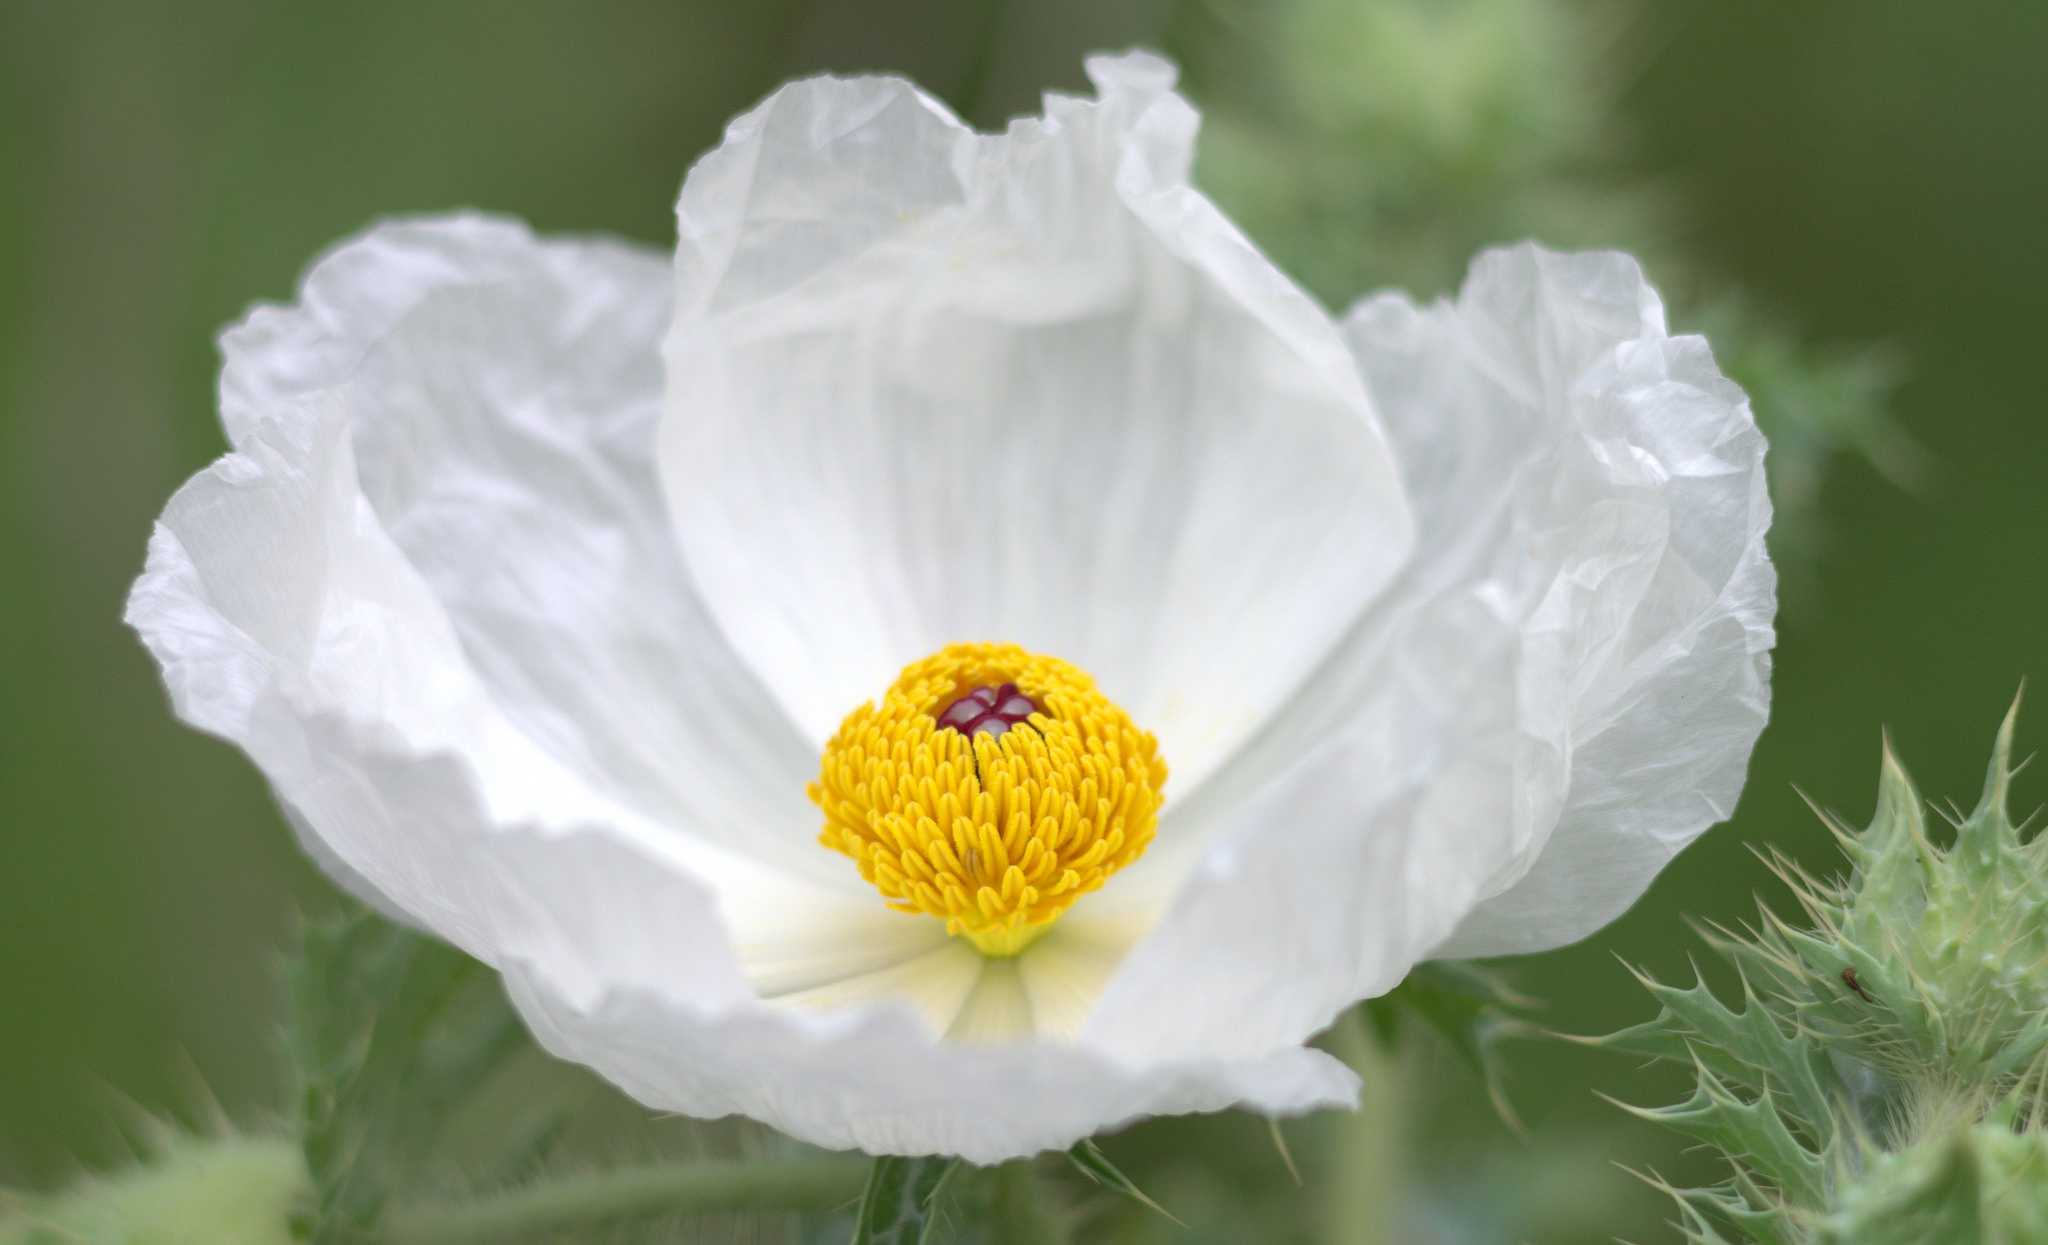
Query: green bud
column 1929, row 965
column 195, row 1191
column 1882, row 1080
column 1981, row 1185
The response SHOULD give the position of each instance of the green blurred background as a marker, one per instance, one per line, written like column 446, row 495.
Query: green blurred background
column 1871, row 172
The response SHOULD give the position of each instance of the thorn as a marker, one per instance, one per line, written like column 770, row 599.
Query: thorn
column 1094, row 1164
column 213, row 1117
column 1280, row 1144
column 131, row 1118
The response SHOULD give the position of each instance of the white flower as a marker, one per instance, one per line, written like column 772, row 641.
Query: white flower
column 1451, row 622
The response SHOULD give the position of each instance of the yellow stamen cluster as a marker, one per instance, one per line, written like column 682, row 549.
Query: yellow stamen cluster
column 994, row 834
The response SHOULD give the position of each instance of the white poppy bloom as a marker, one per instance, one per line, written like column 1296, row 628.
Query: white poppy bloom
column 548, row 584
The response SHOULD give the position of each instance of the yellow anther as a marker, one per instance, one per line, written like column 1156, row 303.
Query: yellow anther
column 1034, row 790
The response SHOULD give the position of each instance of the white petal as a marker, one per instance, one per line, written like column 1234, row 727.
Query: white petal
column 1569, row 674
column 792, row 951
column 1064, row 973
column 288, row 619
column 505, row 393
column 1658, row 674
column 929, row 386
column 876, row 1080
column 1345, row 871
column 936, row 983
column 998, row 1011
column 838, row 953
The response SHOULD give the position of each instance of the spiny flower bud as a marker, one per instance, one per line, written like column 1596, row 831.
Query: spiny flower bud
column 1883, row 1079
column 193, row 1191
column 1931, row 964
column 1984, row 1184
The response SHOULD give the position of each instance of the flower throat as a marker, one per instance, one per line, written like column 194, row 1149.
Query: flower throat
column 991, row 788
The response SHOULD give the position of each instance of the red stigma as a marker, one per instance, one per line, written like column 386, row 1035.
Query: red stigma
column 991, row 709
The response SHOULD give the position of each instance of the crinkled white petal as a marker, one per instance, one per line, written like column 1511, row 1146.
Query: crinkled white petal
column 504, row 395
column 1560, row 691
column 929, row 386
column 1651, row 661
column 312, row 610
column 286, row 621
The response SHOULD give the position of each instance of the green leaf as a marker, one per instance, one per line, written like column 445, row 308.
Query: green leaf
column 1753, row 1130
column 901, row 1204
column 1749, row 1049
column 1763, row 1220
column 1095, row 1165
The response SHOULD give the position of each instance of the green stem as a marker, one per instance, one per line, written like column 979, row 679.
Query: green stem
column 1369, row 1152
column 1020, row 1214
column 983, row 65
column 642, row 1192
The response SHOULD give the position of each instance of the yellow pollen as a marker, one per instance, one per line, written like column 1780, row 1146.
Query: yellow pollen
column 998, row 832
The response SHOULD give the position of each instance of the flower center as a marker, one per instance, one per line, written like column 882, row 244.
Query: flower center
column 991, row 788
column 988, row 710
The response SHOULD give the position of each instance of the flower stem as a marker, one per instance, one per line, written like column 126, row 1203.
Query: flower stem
column 982, row 67
column 1020, row 1215
column 1369, row 1153
column 586, row 1200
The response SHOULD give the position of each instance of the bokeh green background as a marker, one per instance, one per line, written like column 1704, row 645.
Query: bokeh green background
column 1877, row 171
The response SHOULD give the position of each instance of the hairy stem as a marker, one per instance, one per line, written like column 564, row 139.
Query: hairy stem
column 594, row 1198
column 1020, row 1214
column 1368, row 1155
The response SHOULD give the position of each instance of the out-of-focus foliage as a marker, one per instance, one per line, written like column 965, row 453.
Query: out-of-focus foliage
column 1884, row 1078
column 1470, row 1008
column 1371, row 143
column 388, row 1033
column 1815, row 403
